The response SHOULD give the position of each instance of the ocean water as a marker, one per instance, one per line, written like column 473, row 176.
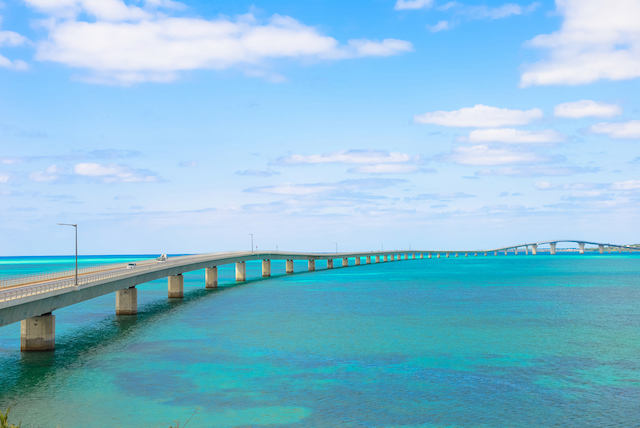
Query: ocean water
column 507, row 341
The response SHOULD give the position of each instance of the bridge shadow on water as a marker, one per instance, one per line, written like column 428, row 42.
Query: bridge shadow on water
column 21, row 372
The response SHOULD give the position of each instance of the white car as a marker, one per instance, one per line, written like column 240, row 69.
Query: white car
column 162, row 258
column 131, row 266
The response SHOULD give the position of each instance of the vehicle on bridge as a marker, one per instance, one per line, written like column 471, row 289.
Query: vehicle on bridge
column 162, row 258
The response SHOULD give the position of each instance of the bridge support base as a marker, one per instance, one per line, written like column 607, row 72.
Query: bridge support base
column 377, row 258
column 581, row 245
column 266, row 268
column 368, row 260
column 329, row 263
column 385, row 258
column 241, row 272
column 176, row 286
column 211, row 277
column 534, row 249
column 312, row 265
column 345, row 262
column 358, row 261
column 127, row 301
column 289, row 266
column 38, row 333
column 552, row 248
column 601, row 249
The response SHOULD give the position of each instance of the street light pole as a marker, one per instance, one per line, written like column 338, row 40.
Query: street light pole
column 76, row 227
column 251, row 241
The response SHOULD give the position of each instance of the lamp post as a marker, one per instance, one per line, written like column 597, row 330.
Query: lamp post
column 251, row 241
column 76, row 227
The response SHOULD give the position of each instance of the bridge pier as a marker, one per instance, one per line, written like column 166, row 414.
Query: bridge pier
column 289, row 266
column 266, row 268
column 345, row 262
column 456, row 254
column 438, row 256
column 211, row 277
column 581, row 245
column 127, row 301
column 38, row 333
column 466, row 254
column 241, row 271
column 516, row 251
column 358, row 261
column 377, row 259
column 552, row 249
column 329, row 263
column 176, row 286
column 505, row 252
column 526, row 250
column 312, row 265
column 385, row 258
column 447, row 255
column 601, row 249
column 422, row 255
column 609, row 249
column 534, row 249
column 368, row 260
column 485, row 254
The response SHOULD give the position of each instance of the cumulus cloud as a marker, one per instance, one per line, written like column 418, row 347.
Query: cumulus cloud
column 622, row 130
column 479, row 116
column 586, row 108
column 485, row 155
column 10, row 39
column 52, row 173
column 114, row 173
column 412, row 4
column 127, row 44
column 626, row 185
column 513, row 136
column 597, row 40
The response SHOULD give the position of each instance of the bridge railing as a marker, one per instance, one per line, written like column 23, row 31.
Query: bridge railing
column 47, row 276
column 57, row 285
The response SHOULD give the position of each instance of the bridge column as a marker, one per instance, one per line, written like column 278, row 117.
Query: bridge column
column 176, row 286
column 466, row 254
column 581, row 245
column 438, row 255
column 534, row 249
column 505, row 252
column 241, row 271
column 289, row 266
column 38, row 333
column 475, row 254
column 358, row 261
column 429, row 255
column 368, row 260
column 422, row 255
column 211, row 277
column 447, row 255
column 609, row 249
column 266, row 268
column 552, row 249
column 456, row 254
column 495, row 253
column 601, row 249
column 516, row 251
column 385, row 258
column 312, row 265
column 377, row 259
column 485, row 254
column 526, row 250
column 345, row 262
column 127, row 301
column 329, row 263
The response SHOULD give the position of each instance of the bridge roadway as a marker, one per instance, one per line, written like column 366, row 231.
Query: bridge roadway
column 33, row 303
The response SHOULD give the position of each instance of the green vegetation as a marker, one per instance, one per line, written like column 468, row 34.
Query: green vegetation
column 4, row 420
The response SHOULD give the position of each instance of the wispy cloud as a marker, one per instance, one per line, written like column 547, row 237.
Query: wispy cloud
column 626, row 185
column 113, row 173
column 586, row 108
column 537, row 171
column 413, row 4
column 486, row 155
column 462, row 12
column 368, row 157
column 513, row 136
column 479, row 116
column 258, row 173
column 621, row 130
column 439, row 196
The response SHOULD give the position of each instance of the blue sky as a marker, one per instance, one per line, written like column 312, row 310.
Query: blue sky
column 181, row 127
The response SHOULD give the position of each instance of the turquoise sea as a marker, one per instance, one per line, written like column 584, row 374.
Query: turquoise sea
column 507, row 341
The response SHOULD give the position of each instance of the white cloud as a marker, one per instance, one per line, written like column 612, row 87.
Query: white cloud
column 388, row 168
column 4, row 177
column 114, row 173
column 257, row 173
column 485, row 155
column 586, row 108
column 412, row 4
column 598, row 39
column 622, row 130
column 52, row 173
column 484, row 12
column 626, row 185
column 127, row 44
column 509, row 135
column 543, row 185
column 479, row 116
column 440, row 26
column 11, row 38
column 537, row 171
column 368, row 157
column 292, row 189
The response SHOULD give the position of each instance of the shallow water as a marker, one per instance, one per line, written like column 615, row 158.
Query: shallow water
column 486, row 342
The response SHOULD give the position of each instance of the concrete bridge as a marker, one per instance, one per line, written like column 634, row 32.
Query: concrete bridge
column 32, row 300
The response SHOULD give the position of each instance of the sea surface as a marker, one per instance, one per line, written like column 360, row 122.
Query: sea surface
column 506, row 341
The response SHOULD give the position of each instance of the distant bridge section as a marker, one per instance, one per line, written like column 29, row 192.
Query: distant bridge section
column 32, row 300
